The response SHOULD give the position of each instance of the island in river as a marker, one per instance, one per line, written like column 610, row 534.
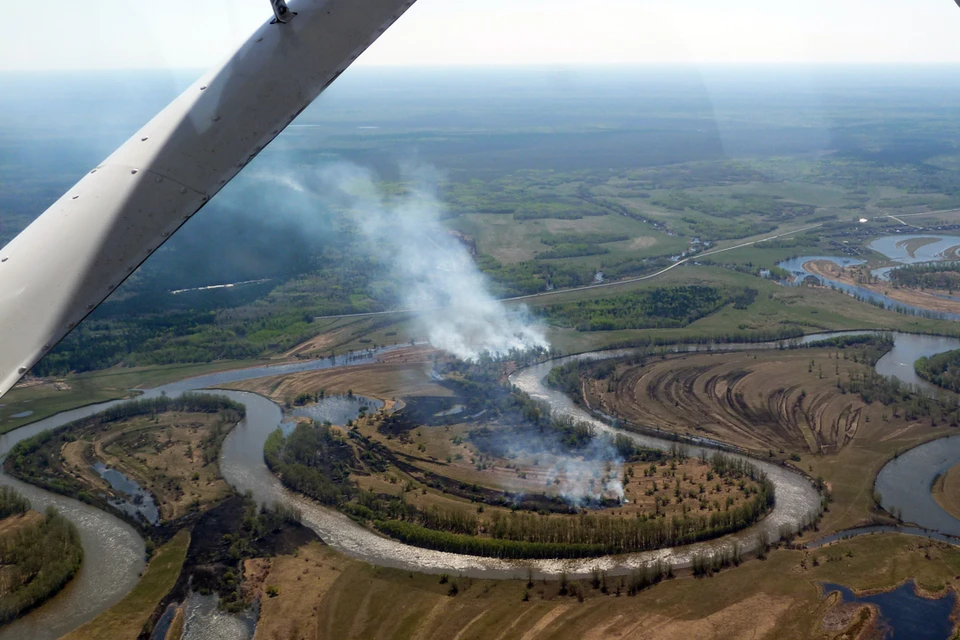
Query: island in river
column 860, row 276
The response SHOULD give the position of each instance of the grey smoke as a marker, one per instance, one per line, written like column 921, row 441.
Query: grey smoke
column 402, row 223
column 581, row 477
column 457, row 313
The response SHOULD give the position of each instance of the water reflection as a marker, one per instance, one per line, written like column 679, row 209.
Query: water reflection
column 140, row 503
column 338, row 409
column 796, row 268
column 896, row 247
column 203, row 620
column 904, row 614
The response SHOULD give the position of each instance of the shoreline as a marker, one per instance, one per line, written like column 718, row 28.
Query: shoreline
column 921, row 299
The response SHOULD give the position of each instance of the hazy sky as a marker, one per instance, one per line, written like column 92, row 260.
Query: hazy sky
column 87, row 34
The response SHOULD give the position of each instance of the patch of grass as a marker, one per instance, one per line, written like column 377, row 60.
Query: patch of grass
column 100, row 386
column 124, row 620
column 776, row 598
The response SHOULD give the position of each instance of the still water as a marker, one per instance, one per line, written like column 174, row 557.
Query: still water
column 894, row 248
column 903, row 614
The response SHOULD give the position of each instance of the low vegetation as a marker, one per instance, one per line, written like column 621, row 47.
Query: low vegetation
column 331, row 466
column 651, row 308
column 125, row 620
column 168, row 446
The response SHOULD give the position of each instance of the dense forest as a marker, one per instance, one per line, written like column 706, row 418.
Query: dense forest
column 940, row 276
column 37, row 559
column 648, row 308
column 942, row 369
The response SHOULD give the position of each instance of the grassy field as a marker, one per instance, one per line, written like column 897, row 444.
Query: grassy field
column 49, row 396
column 511, row 241
column 125, row 619
column 774, row 598
column 775, row 402
column 811, row 309
column 172, row 455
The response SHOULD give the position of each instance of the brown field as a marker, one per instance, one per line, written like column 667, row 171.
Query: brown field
column 321, row 594
column 782, row 400
column 756, row 401
column 126, row 619
column 12, row 524
column 404, row 372
column 914, row 297
column 946, row 490
column 646, row 484
column 165, row 456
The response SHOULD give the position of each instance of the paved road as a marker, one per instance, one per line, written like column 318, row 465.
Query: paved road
column 614, row 283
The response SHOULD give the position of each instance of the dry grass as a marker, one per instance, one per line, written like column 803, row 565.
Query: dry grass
column 125, row 620
column 324, row 595
column 946, row 490
column 914, row 297
column 12, row 524
column 164, row 455
column 403, row 373
column 756, row 401
column 779, row 400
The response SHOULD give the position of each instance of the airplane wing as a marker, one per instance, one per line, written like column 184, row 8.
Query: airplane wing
column 74, row 255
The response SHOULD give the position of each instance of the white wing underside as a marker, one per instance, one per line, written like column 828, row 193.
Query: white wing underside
column 74, row 255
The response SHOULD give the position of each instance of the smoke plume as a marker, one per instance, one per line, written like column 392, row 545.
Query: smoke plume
column 439, row 279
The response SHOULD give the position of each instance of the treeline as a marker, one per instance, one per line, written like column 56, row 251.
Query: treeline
column 12, row 503
column 536, row 276
column 149, row 325
column 645, row 309
column 523, row 535
column 313, row 460
column 770, row 207
column 36, row 460
column 942, row 276
column 713, row 229
column 784, row 334
column 583, row 238
column 38, row 560
column 316, row 461
column 942, row 370
column 190, row 401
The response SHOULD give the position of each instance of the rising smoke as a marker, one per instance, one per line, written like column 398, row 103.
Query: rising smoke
column 455, row 309
column 439, row 279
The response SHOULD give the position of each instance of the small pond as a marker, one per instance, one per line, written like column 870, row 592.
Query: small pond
column 203, row 620
column 338, row 409
column 904, row 615
column 139, row 501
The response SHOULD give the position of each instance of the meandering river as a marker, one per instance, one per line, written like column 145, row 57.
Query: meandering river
column 114, row 551
column 896, row 248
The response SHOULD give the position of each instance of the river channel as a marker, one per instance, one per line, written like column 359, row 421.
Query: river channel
column 895, row 248
column 114, row 551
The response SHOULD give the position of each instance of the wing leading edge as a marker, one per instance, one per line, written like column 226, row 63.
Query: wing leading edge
column 74, row 255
